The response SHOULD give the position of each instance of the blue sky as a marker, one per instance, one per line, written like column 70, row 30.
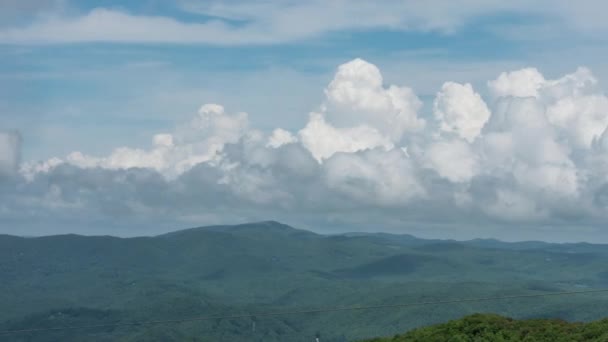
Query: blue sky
column 94, row 76
column 84, row 89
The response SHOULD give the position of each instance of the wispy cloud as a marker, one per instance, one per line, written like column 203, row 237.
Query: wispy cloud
column 245, row 22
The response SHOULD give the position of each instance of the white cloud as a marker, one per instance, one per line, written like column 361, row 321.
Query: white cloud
column 105, row 25
column 574, row 106
column 195, row 142
column 30, row 170
column 375, row 177
column 282, row 21
column 323, row 140
column 577, row 108
column 281, row 137
column 461, row 110
column 357, row 96
column 522, row 144
column 538, row 154
column 453, row 159
column 360, row 113
column 520, row 83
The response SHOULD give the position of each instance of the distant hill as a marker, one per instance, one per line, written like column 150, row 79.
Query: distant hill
column 268, row 266
column 495, row 328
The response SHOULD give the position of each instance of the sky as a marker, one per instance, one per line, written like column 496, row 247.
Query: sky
column 442, row 119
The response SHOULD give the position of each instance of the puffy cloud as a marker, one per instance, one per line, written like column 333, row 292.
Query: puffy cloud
column 577, row 83
column 522, row 144
column 538, row 154
column 281, row 137
column 461, row 110
column 323, row 140
column 576, row 108
column 29, row 170
column 360, row 113
column 520, row 83
column 374, row 177
column 453, row 160
column 357, row 96
column 195, row 142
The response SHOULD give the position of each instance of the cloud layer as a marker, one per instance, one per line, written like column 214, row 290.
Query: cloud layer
column 535, row 152
column 229, row 22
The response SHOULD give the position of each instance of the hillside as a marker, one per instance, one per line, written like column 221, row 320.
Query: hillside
column 494, row 328
column 268, row 266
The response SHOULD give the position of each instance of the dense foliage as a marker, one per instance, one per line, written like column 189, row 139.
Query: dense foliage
column 494, row 328
column 72, row 280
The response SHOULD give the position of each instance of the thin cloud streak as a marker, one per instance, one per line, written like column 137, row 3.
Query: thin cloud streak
column 243, row 23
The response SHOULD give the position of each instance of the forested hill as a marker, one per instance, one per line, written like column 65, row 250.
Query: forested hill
column 69, row 280
column 494, row 328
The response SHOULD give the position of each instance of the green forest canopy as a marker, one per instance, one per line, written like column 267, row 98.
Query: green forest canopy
column 495, row 328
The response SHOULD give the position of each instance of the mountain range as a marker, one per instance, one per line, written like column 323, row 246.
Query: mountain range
column 68, row 280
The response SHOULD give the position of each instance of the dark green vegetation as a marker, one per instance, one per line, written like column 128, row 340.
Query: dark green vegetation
column 494, row 328
column 72, row 280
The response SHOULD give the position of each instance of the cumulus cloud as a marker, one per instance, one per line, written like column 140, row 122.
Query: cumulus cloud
column 360, row 113
column 200, row 140
column 520, row 83
column 374, row 177
column 537, row 154
column 357, row 96
column 461, row 110
column 323, row 140
column 281, row 137
column 575, row 107
column 453, row 160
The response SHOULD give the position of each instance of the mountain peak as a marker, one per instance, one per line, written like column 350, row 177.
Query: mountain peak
column 249, row 229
